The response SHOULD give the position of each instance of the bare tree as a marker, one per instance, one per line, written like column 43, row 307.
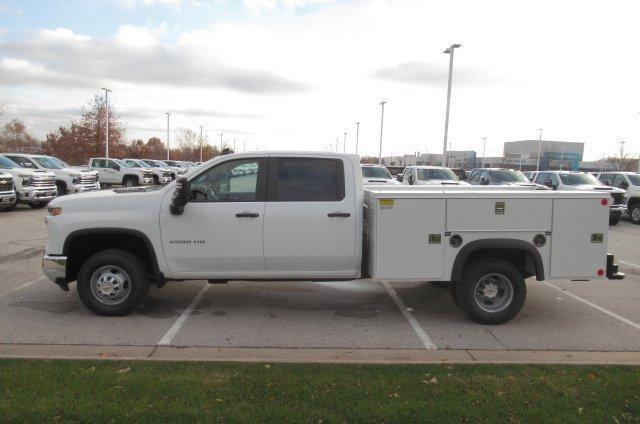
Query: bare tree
column 186, row 141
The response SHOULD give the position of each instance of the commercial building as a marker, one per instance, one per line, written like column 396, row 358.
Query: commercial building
column 553, row 154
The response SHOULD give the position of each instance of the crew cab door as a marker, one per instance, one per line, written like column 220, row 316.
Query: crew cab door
column 220, row 231
column 310, row 219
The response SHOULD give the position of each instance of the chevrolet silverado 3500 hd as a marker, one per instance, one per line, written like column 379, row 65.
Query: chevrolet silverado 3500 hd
column 306, row 216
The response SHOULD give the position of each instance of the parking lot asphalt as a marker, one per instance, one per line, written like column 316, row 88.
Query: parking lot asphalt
column 558, row 316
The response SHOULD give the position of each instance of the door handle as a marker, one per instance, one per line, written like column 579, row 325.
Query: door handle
column 247, row 215
column 339, row 215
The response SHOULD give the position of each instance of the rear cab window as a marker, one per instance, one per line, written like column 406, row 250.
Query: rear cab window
column 299, row 179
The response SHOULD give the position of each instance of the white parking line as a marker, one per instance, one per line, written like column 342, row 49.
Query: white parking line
column 21, row 286
column 422, row 335
column 629, row 263
column 168, row 337
column 598, row 307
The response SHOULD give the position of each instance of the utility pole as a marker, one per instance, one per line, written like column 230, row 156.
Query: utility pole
column 200, row 143
column 561, row 157
column 622, row 143
column 382, row 103
column 244, row 146
column 539, row 148
column 168, row 148
column 449, row 50
column 358, row 136
column 106, row 103
column 234, row 145
column 336, row 144
column 221, row 146
column 344, row 144
column 484, row 145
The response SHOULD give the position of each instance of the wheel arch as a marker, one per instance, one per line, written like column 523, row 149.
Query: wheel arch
column 81, row 244
column 523, row 253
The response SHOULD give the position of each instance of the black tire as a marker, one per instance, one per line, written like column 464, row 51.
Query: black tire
column 498, row 272
column 62, row 188
column 10, row 207
column 129, row 182
column 135, row 273
column 635, row 217
column 38, row 205
column 614, row 219
column 454, row 294
column 156, row 180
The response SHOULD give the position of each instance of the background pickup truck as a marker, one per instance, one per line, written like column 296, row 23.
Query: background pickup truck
column 117, row 172
column 33, row 187
column 8, row 196
column 307, row 216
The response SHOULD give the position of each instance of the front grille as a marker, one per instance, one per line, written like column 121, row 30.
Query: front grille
column 147, row 175
column 6, row 184
column 44, row 182
column 88, row 180
column 166, row 174
column 618, row 198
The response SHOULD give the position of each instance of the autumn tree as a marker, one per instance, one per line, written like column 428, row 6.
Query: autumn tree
column 86, row 138
column 15, row 138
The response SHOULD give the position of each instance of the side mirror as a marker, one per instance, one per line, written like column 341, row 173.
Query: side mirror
column 399, row 177
column 116, row 167
column 484, row 181
column 180, row 196
column 411, row 179
column 624, row 185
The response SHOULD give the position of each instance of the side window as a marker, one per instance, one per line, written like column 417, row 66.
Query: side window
column 474, row 177
column 110, row 164
column 23, row 162
column 483, row 174
column 232, row 181
column 620, row 182
column 98, row 163
column 132, row 163
column 606, row 177
column 306, row 180
column 542, row 177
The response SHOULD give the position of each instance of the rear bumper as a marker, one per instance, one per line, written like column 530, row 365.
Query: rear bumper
column 612, row 269
column 55, row 268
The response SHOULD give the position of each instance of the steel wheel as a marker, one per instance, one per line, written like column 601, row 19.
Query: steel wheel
column 493, row 293
column 110, row 285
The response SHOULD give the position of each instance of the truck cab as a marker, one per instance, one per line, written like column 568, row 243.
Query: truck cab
column 377, row 174
column 430, row 175
column 68, row 180
column 117, row 172
column 630, row 183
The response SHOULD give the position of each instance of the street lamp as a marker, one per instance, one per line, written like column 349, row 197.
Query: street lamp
column 484, row 145
column 449, row 50
column 106, row 102
column 168, row 149
column 539, row 148
column 344, row 143
column 382, row 103
column 358, row 135
column 200, row 143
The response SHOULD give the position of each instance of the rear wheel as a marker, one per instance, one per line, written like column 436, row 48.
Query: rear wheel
column 634, row 213
column 492, row 291
column 112, row 282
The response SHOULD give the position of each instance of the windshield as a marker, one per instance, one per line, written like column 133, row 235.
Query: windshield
column 634, row 178
column 137, row 164
column 577, row 179
column 509, row 177
column 375, row 172
column 122, row 163
column 7, row 164
column 437, row 174
column 48, row 162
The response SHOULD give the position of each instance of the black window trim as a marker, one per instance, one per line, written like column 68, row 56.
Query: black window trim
column 261, row 184
column 272, row 179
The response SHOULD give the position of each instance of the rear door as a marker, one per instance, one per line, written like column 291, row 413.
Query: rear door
column 310, row 220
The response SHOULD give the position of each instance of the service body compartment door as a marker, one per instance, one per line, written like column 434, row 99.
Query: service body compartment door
column 409, row 239
column 573, row 252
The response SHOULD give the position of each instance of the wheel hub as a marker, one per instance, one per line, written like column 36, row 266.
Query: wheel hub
column 110, row 285
column 490, row 290
column 494, row 293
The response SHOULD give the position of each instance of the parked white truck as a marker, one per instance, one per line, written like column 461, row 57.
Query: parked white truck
column 117, row 172
column 8, row 196
column 68, row 180
column 306, row 216
column 33, row 187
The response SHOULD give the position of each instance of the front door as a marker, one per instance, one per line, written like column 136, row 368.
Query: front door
column 220, row 230
column 310, row 219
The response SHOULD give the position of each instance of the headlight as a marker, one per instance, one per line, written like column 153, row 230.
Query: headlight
column 26, row 180
column 76, row 179
column 53, row 211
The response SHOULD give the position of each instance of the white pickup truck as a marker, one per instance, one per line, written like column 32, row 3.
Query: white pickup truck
column 117, row 172
column 306, row 216
column 8, row 196
column 33, row 186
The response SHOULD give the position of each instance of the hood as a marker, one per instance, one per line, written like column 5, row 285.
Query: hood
column 78, row 171
column 115, row 199
column 597, row 187
column 525, row 184
column 5, row 176
column 442, row 182
column 374, row 180
column 30, row 172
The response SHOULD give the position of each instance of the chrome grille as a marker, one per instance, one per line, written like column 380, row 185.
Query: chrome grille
column 166, row 174
column 44, row 182
column 6, row 184
column 88, row 180
column 147, row 174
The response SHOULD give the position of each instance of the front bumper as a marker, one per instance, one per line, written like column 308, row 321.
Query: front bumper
column 7, row 198
column 84, row 188
column 164, row 180
column 618, row 209
column 55, row 268
column 37, row 195
column 146, row 181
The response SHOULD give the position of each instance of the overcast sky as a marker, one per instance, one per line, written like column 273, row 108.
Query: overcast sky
column 296, row 74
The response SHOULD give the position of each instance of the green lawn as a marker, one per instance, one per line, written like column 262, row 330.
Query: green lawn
column 86, row 391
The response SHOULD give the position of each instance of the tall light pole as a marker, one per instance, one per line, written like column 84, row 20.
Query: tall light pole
column 358, row 136
column 201, row 143
column 484, row 145
column 106, row 102
column 168, row 149
column 336, row 144
column 221, row 146
column 622, row 143
column 539, row 148
column 449, row 50
column 234, row 145
column 382, row 103
column 344, row 143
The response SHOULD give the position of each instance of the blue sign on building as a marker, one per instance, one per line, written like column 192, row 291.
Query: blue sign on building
column 572, row 160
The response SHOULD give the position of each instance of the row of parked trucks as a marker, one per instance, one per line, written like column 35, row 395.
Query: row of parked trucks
column 37, row 179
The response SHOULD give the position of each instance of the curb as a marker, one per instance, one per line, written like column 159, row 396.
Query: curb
column 332, row 356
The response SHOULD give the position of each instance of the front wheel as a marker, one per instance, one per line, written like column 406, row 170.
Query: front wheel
column 112, row 282
column 492, row 291
column 130, row 182
column 38, row 205
column 62, row 188
column 634, row 213
column 614, row 219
